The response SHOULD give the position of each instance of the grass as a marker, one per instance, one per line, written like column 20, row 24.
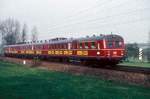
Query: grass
column 20, row 82
column 139, row 64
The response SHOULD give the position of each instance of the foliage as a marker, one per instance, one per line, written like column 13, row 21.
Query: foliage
column 148, row 55
column 10, row 31
column 132, row 50
column 24, row 33
column 18, row 82
column 34, row 32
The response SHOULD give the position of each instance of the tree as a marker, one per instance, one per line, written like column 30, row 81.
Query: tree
column 34, row 35
column 24, row 33
column 132, row 50
column 10, row 31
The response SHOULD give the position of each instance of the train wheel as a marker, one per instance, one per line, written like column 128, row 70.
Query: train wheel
column 85, row 62
column 65, row 60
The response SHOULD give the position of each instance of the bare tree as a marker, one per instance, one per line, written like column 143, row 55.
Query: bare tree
column 1, row 38
column 34, row 36
column 24, row 33
column 10, row 31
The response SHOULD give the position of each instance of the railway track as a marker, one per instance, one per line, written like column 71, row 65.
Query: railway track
column 125, row 68
column 134, row 69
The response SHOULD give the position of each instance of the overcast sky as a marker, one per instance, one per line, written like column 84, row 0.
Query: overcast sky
column 78, row 18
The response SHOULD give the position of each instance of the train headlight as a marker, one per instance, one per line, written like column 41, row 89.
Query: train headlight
column 114, row 52
column 98, row 53
column 122, row 53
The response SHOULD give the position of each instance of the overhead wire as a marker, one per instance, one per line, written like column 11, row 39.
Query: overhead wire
column 118, row 23
column 85, row 10
column 81, row 12
column 92, row 20
column 131, row 12
column 61, row 25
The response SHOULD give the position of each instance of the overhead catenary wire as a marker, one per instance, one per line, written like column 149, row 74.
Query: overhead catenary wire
column 130, row 12
column 114, row 24
column 102, row 19
column 85, row 10
column 68, row 19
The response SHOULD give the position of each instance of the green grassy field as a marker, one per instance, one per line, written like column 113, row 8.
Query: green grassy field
column 20, row 82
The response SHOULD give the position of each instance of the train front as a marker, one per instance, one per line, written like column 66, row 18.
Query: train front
column 113, row 49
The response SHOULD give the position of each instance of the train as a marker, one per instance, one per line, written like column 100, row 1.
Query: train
column 103, row 49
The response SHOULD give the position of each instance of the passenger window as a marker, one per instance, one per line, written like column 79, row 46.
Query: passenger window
column 118, row 44
column 80, row 45
column 86, row 45
column 52, row 46
column 110, row 44
column 65, row 46
column 93, row 45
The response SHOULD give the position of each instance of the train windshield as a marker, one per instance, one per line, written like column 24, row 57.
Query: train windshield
column 114, row 41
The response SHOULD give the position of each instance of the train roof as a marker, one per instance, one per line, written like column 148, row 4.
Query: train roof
column 66, row 40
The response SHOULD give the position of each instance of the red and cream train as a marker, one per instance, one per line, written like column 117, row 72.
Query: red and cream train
column 103, row 49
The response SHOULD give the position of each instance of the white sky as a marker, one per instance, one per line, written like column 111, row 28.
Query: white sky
column 78, row 18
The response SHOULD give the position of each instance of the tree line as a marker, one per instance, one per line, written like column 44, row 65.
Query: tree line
column 132, row 51
column 12, row 32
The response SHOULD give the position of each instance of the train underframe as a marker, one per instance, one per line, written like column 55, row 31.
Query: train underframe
column 101, row 61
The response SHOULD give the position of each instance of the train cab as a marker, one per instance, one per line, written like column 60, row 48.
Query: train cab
column 113, row 48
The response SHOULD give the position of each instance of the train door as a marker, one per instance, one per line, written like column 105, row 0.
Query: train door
column 32, row 47
column 74, row 45
column 69, row 46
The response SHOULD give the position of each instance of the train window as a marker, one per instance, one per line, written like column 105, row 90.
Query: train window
column 54, row 46
column 59, row 46
column 73, row 46
column 64, row 46
column 110, row 44
column 80, row 45
column 49, row 46
column 86, row 45
column 93, row 45
column 44, row 46
column 118, row 44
